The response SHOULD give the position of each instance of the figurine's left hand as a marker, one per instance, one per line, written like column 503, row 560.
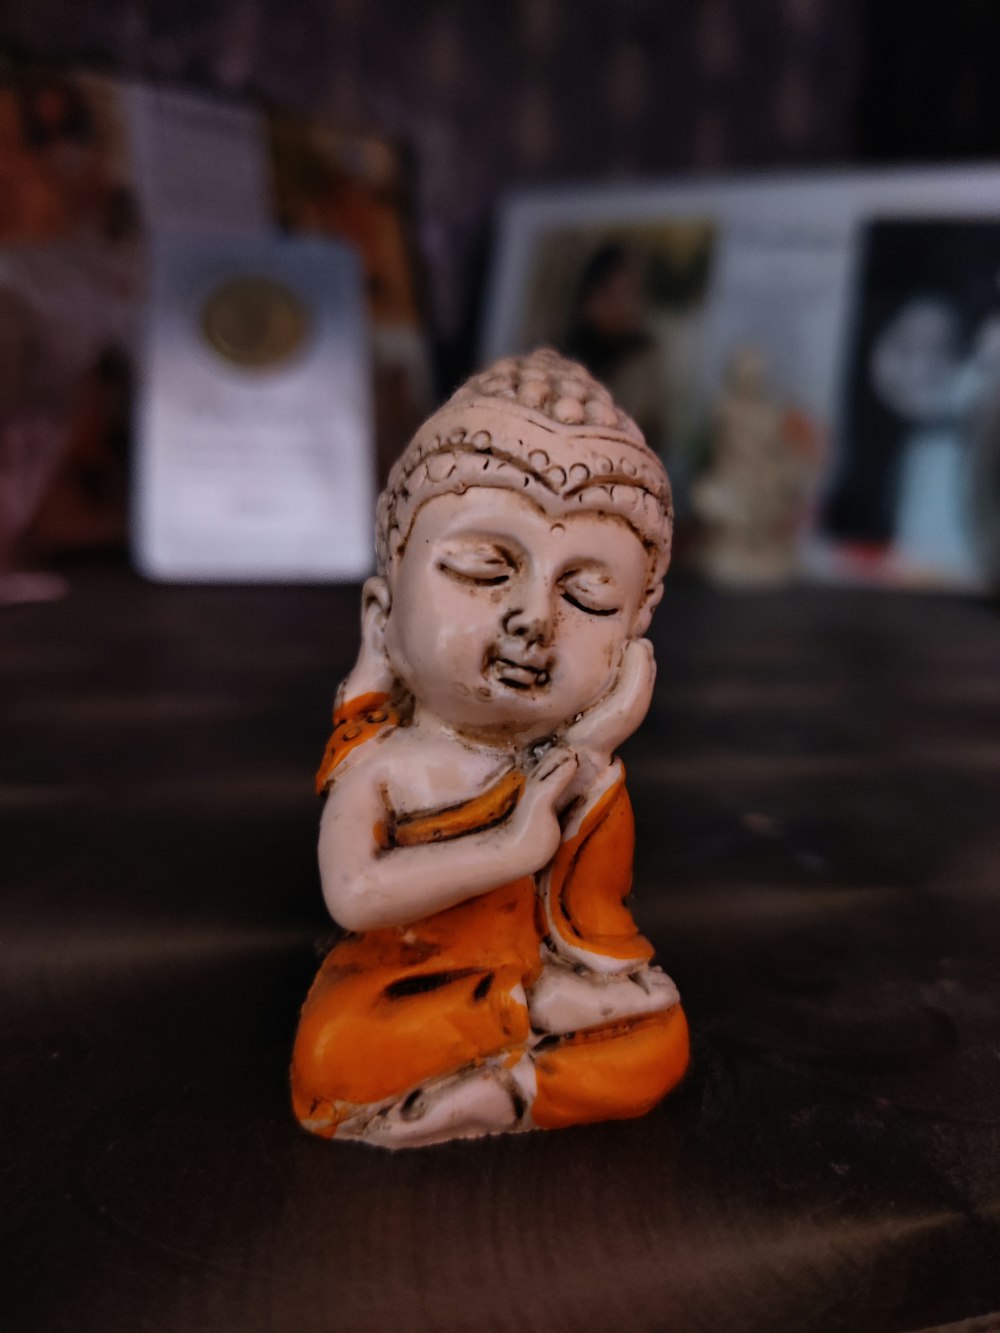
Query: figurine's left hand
column 597, row 733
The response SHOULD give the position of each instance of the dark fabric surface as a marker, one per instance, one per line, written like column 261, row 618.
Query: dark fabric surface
column 816, row 797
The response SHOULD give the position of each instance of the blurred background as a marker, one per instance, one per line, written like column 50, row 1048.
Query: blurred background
column 494, row 95
column 245, row 248
column 403, row 131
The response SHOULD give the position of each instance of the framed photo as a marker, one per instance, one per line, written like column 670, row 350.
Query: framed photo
column 726, row 316
column 628, row 301
column 357, row 187
column 71, row 281
column 254, row 459
column 906, row 504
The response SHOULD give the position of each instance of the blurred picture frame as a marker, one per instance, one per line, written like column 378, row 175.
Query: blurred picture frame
column 357, row 186
column 704, row 274
column 92, row 169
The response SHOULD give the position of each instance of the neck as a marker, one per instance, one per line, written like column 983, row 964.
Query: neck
column 499, row 740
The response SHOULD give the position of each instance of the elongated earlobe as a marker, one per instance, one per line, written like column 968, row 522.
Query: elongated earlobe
column 376, row 601
column 371, row 673
column 649, row 605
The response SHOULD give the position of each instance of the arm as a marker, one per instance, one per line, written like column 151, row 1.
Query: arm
column 366, row 887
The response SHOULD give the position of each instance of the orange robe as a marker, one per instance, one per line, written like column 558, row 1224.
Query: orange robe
column 393, row 1008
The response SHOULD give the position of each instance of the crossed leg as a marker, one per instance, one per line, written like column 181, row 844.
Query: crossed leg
column 463, row 1059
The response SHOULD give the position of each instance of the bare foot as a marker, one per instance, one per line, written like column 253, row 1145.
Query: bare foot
column 564, row 1000
column 487, row 1099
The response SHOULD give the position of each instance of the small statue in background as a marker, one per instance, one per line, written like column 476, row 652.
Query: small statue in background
column 753, row 500
column 477, row 838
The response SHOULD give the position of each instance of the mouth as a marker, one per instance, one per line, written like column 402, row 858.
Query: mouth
column 519, row 675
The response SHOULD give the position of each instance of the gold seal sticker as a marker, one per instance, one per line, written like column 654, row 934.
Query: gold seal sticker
column 255, row 322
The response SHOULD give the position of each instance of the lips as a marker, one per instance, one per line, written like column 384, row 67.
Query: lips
column 519, row 675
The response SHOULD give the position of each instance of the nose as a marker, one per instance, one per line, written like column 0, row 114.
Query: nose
column 530, row 616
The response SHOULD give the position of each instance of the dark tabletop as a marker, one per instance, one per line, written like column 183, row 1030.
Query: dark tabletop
column 817, row 804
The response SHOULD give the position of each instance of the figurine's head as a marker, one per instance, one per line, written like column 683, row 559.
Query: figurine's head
column 522, row 541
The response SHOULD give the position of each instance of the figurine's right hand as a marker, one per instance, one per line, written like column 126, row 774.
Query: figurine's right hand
column 535, row 823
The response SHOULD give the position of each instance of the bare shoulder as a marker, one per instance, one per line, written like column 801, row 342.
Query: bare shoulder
column 364, row 770
column 410, row 771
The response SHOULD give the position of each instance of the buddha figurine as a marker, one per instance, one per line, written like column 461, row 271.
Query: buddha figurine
column 476, row 842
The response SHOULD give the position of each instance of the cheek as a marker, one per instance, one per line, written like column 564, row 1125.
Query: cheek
column 465, row 623
column 592, row 652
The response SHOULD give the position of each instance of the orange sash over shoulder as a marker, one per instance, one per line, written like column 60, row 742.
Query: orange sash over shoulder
column 354, row 722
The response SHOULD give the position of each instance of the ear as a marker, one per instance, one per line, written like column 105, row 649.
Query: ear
column 648, row 605
column 376, row 602
column 371, row 673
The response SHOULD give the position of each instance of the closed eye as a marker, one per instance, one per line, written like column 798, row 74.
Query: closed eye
column 482, row 568
column 589, row 610
column 480, row 580
column 591, row 591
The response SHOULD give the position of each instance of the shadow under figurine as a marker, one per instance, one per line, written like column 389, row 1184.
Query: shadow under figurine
column 477, row 838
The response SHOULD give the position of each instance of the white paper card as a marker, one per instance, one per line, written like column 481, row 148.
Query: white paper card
column 255, row 458
column 200, row 165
